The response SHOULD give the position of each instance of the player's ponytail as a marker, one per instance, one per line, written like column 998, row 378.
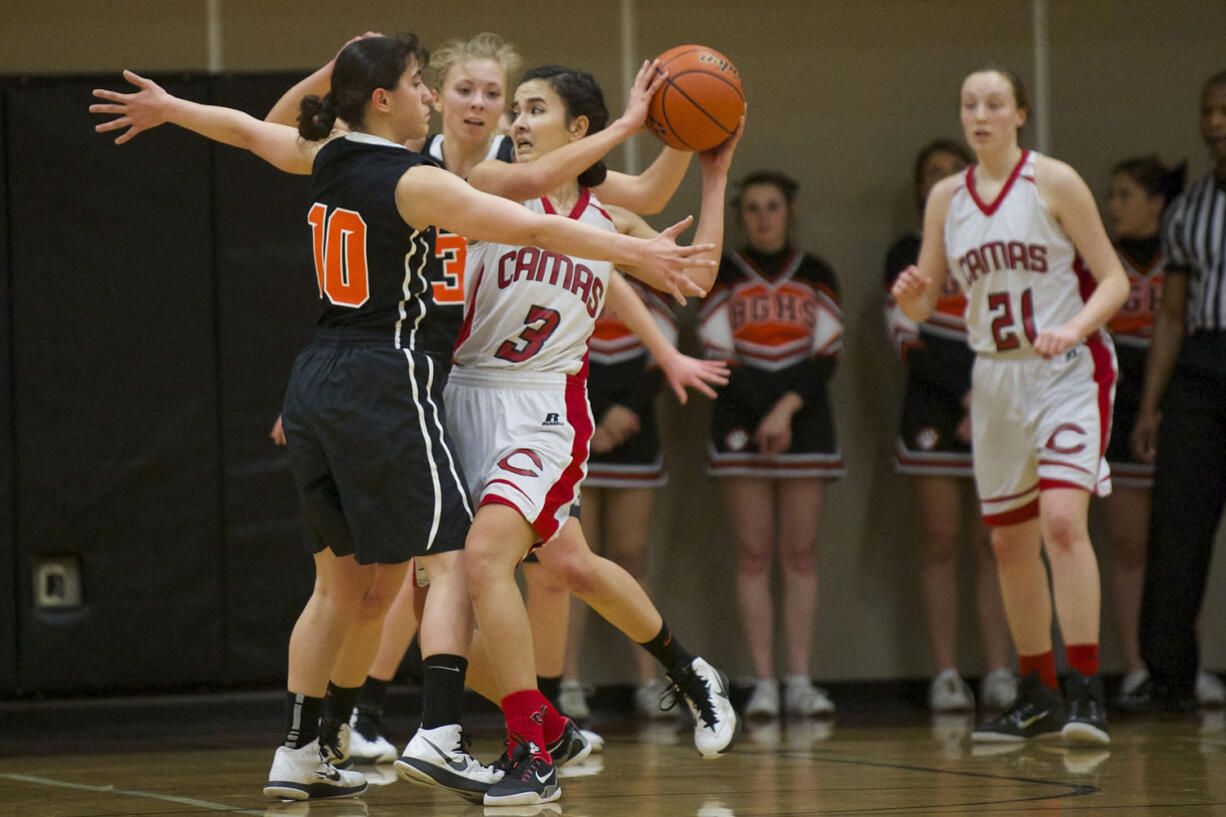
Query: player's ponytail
column 582, row 96
column 316, row 117
column 361, row 67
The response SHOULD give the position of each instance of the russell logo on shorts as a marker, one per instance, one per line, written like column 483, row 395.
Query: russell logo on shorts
column 552, row 419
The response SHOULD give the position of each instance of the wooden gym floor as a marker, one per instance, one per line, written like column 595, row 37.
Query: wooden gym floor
column 114, row 763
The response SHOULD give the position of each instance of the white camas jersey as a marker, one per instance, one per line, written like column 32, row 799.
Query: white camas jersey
column 1018, row 267
column 531, row 309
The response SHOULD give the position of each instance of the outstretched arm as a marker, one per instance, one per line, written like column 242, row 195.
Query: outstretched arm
column 285, row 111
column 537, row 178
column 710, row 231
column 151, row 106
column 648, row 192
column 429, row 195
column 680, row 370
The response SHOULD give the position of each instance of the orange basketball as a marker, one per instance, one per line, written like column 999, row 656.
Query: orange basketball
column 702, row 101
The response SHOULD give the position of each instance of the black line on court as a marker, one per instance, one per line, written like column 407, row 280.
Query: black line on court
column 1076, row 789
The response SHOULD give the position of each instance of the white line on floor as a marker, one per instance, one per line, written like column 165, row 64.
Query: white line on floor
column 187, row 801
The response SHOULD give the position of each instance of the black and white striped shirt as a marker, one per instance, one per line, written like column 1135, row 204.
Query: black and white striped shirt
column 1195, row 237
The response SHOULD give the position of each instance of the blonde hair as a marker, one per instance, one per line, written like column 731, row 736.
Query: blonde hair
column 484, row 46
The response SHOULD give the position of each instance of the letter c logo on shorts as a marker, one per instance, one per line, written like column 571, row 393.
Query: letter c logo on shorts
column 523, row 469
column 1072, row 428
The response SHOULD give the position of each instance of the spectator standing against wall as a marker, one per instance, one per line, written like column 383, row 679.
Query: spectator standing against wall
column 774, row 314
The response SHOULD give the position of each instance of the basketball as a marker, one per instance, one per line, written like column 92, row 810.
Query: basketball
column 702, row 101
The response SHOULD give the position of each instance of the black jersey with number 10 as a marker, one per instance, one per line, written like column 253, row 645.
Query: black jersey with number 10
column 373, row 270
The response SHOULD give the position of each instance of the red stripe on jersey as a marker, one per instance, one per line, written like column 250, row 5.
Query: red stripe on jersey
column 507, row 482
column 1085, row 279
column 567, row 487
column 989, row 209
column 1010, row 496
column 1062, row 464
column 585, row 196
column 1014, row 517
column 1104, row 365
column 1049, row 484
column 581, row 375
column 1104, row 376
column 466, row 327
column 603, row 212
column 498, row 499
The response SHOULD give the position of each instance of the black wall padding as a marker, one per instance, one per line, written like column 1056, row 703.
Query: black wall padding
column 8, row 532
column 269, row 303
column 116, row 393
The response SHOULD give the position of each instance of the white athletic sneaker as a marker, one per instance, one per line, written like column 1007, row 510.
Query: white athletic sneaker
column 715, row 808
column 303, row 774
column 705, row 689
column 763, row 699
column 998, row 689
column 800, row 697
column 949, row 693
column 594, row 740
column 1133, row 680
column 439, row 757
column 572, row 700
column 647, row 699
column 334, row 744
column 367, row 744
column 1209, row 690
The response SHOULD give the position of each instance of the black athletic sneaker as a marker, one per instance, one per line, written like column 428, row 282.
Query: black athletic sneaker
column 571, row 746
column 1038, row 711
column 1087, row 710
column 1154, row 696
column 528, row 781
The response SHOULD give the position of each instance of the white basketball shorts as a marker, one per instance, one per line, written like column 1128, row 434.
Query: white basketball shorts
column 522, row 440
column 1041, row 423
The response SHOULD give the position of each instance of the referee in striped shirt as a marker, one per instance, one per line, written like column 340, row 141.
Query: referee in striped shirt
column 1181, row 424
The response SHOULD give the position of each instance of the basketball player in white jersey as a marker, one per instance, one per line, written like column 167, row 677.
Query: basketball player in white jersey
column 1013, row 230
column 518, row 391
